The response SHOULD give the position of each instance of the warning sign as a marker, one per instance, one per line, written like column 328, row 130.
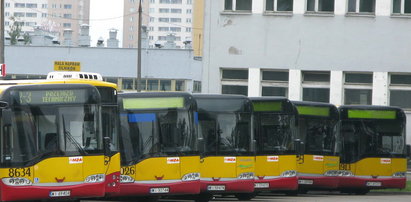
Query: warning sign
column 66, row 66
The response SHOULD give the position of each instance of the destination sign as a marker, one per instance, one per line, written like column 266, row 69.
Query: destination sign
column 52, row 96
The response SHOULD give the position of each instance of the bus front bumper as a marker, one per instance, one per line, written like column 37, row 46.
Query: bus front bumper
column 158, row 188
column 227, row 186
column 54, row 191
column 318, row 182
column 372, row 182
column 279, row 183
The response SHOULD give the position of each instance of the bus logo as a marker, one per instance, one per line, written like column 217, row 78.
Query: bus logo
column 230, row 160
column 173, row 160
column 273, row 158
column 75, row 159
column 385, row 161
column 318, row 158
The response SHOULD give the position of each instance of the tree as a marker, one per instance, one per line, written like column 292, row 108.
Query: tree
column 15, row 30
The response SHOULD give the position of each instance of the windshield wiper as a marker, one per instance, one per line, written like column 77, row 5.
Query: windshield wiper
column 67, row 135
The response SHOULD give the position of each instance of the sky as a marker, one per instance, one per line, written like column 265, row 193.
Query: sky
column 104, row 15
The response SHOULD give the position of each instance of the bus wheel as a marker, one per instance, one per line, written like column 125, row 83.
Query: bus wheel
column 245, row 196
column 361, row 192
column 203, row 197
column 291, row 193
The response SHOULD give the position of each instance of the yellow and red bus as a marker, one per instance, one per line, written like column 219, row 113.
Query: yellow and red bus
column 159, row 144
column 319, row 142
column 275, row 130
column 227, row 153
column 374, row 148
column 52, row 143
column 108, row 114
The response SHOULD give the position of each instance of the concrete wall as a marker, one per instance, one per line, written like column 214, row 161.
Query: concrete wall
column 156, row 63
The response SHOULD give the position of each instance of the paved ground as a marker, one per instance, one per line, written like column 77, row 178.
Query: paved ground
column 317, row 197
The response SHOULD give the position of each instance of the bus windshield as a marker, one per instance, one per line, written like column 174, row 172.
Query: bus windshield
column 226, row 133
column 372, row 138
column 162, row 133
column 320, row 135
column 275, row 133
column 51, row 130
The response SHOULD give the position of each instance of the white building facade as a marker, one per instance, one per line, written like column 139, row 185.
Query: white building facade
column 28, row 13
column 337, row 51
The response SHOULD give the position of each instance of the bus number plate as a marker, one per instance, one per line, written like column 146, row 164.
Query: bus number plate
column 305, row 182
column 373, row 184
column 261, row 185
column 59, row 193
column 159, row 190
column 216, row 187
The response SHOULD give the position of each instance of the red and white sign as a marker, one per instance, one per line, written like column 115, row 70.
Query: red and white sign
column 318, row 158
column 75, row 159
column 173, row 160
column 231, row 159
column 385, row 161
column 273, row 158
column 2, row 70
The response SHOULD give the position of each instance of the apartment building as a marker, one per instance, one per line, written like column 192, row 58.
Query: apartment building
column 53, row 16
column 337, row 51
column 165, row 20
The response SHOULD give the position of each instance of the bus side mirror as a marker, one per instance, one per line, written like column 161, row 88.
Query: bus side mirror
column 106, row 145
column 299, row 146
column 7, row 135
column 201, row 145
column 408, row 150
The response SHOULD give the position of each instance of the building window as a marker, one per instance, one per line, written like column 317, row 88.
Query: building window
column 316, row 86
column 188, row 11
column 274, row 83
column 279, row 5
column 190, row 2
column 43, row 5
column 66, row 25
column 30, row 5
column 175, row 10
column 19, row 5
column 180, row 85
column 400, row 90
column 31, row 15
column 163, row 19
column 165, row 85
column 401, row 7
column 361, row 6
column 67, row 6
column 18, row 14
column 151, row 37
column 238, row 90
column 67, row 15
column 164, row 10
column 234, row 74
column 152, row 85
column 127, row 84
column 238, row 5
column 175, row 19
column 197, row 87
column 44, row 15
column 163, row 29
column 320, row 6
column 188, row 29
column 358, row 88
column 6, row 14
column 7, row 5
column 175, row 29
column 188, row 20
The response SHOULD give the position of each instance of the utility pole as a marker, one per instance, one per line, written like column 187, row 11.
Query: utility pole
column 140, row 11
column 2, row 32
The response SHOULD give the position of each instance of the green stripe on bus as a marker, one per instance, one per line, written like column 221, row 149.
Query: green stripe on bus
column 267, row 106
column 372, row 114
column 313, row 111
column 153, row 103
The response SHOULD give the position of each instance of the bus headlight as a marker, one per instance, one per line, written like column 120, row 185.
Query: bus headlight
column 345, row 173
column 399, row 174
column 332, row 173
column 289, row 173
column 17, row 181
column 191, row 177
column 246, row 176
column 95, row 178
column 126, row 179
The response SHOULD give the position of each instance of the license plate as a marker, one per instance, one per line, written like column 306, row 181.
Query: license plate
column 216, row 187
column 159, row 190
column 59, row 193
column 305, row 182
column 373, row 184
column 261, row 185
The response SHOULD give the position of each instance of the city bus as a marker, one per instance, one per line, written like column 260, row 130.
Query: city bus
column 109, row 114
column 227, row 148
column 275, row 130
column 159, row 144
column 373, row 148
column 319, row 146
column 52, row 146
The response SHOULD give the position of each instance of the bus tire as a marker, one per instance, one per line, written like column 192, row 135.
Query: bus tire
column 361, row 192
column 244, row 196
column 203, row 197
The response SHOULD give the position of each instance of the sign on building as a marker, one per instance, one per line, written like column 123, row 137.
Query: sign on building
column 66, row 66
column 2, row 70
